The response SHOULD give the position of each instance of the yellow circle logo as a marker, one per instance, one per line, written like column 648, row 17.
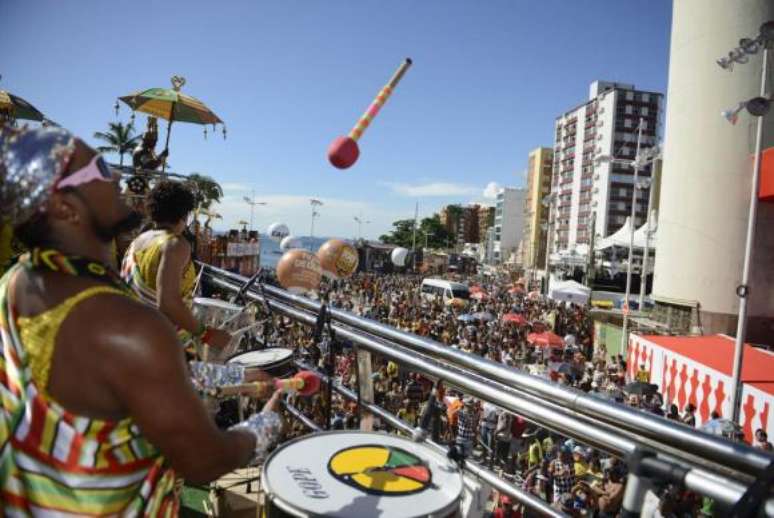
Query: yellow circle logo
column 380, row 470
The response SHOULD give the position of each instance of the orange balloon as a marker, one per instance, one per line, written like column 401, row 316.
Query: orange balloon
column 338, row 259
column 299, row 271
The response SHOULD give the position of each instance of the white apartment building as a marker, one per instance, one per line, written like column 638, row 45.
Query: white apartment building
column 605, row 125
column 508, row 222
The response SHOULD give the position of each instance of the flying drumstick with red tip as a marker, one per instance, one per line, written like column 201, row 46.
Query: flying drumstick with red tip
column 344, row 151
column 305, row 383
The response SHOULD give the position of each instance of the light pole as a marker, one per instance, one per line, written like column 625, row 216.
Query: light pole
column 314, row 203
column 251, row 201
column 360, row 223
column 548, row 201
column 646, row 252
column 758, row 107
column 641, row 159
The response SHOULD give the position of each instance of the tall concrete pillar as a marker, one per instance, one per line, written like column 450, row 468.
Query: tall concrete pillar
column 705, row 187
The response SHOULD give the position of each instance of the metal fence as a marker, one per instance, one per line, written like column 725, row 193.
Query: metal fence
column 736, row 476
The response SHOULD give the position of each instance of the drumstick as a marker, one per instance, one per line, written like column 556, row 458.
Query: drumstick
column 304, row 383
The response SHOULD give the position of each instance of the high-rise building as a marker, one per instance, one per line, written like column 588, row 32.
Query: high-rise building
column 450, row 219
column 539, row 168
column 469, row 225
column 485, row 220
column 605, row 125
column 705, row 191
column 508, row 222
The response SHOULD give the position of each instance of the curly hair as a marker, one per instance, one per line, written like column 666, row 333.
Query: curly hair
column 170, row 202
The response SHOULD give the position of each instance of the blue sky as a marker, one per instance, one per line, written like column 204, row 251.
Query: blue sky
column 288, row 76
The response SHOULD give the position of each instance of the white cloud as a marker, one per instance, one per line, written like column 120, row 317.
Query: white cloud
column 234, row 186
column 490, row 191
column 433, row 189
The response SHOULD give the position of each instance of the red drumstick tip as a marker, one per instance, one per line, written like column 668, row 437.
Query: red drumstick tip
column 343, row 152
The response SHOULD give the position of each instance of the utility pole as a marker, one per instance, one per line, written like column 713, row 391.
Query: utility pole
column 636, row 166
column 251, row 201
column 645, row 254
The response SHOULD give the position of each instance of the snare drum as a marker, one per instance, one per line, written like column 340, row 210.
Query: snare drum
column 275, row 361
column 355, row 474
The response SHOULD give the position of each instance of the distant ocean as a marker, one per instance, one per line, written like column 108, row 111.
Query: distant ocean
column 271, row 253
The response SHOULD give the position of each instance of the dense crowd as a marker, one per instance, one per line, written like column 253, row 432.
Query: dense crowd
column 571, row 476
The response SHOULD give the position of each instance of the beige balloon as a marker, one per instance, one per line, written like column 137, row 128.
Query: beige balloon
column 299, row 271
column 338, row 259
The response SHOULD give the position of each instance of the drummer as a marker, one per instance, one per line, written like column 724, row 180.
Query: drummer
column 95, row 389
column 158, row 263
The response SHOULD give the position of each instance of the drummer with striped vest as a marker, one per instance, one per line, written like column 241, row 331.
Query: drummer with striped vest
column 97, row 414
column 158, row 263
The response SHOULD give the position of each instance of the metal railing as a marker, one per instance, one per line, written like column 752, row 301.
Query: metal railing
column 713, row 467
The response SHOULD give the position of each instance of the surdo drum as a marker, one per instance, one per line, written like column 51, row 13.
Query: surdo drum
column 353, row 474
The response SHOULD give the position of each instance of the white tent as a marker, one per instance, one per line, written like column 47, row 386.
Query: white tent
column 621, row 237
column 569, row 291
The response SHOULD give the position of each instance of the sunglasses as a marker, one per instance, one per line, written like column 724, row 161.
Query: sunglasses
column 96, row 169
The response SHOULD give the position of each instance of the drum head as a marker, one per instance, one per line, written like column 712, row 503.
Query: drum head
column 264, row 358
column 352, row 474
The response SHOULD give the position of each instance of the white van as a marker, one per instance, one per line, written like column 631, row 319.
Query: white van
column 443, row 289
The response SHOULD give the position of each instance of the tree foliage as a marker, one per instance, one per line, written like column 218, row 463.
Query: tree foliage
column 402, row 233
column 207, row 190
column 119, row 139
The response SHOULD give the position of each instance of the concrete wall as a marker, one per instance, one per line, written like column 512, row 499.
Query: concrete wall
column 705, row 189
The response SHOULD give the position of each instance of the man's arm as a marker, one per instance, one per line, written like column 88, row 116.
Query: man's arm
column 145, row 370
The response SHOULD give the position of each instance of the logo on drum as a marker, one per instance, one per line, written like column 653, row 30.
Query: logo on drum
column 380, row 470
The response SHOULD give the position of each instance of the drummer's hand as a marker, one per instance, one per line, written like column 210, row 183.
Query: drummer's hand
column 218, row 338
column 252, row 375
column 273, row 402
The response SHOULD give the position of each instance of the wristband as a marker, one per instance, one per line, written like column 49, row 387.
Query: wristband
column 266, row 427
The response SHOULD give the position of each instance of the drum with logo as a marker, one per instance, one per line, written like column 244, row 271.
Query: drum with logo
column 275, row 361
column 352, row 474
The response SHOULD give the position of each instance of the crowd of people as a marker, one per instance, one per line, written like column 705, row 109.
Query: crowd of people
column 573, row 477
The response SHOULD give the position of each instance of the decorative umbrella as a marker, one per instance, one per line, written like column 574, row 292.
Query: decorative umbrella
column 172, row 105
column 18, row 108
column 641, row 388
column 545, row 339
column 515, row 318
column 724, row 427
column 483, row 316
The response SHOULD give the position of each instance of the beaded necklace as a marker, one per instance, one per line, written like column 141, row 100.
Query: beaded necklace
column 48, row 259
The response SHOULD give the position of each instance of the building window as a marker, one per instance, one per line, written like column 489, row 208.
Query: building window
column 629, row 95
column 645, row 98
column 628, row 123
column 629, row 109
column 623, row 191
column 644, row 111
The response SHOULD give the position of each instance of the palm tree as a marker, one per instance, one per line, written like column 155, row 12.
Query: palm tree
column 119, row 139
column 207, row 190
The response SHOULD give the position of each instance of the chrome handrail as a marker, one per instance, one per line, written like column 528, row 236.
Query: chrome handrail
column 425, row 354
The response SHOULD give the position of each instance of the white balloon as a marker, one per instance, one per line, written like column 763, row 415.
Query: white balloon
column 398, row 256
column 278, row 231
column 289, row 242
